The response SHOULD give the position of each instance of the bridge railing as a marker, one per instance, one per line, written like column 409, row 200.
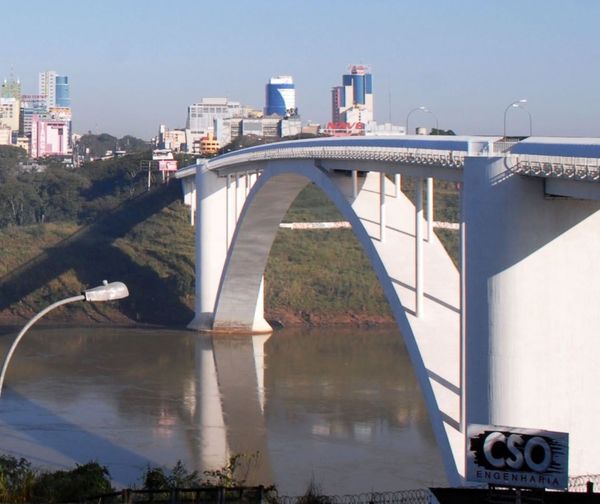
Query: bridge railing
column 412, row 156
column 573, row 168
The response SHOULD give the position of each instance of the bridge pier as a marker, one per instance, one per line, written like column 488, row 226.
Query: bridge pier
column 532, row 307
column 211, row 243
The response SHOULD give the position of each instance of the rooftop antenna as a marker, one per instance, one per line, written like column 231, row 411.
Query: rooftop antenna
column 389, row 99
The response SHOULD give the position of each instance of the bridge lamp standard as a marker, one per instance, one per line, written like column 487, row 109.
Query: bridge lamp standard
column 518, row 104
column 105, row 292
column 427, row 111
column 422, row 109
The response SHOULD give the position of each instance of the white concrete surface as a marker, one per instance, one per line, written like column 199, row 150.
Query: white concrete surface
column 532, row 314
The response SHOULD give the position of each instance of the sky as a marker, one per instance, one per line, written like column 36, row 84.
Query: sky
column 135, row 64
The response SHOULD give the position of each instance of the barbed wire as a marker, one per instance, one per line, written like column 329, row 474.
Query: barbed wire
column 419, row 496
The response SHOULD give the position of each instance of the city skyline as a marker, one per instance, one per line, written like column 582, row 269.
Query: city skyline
column 466, row 61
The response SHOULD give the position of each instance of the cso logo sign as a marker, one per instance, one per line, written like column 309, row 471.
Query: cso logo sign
column 517, row 457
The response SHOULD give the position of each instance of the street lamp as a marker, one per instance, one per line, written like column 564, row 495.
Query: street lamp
column 105, row 292
column 518, row 104
column 422, row 108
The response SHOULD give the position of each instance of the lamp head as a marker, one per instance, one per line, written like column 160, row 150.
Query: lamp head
column 107, row 292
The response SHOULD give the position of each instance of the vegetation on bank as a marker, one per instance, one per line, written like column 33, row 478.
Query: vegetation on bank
column 98, row 222
column 21, row 483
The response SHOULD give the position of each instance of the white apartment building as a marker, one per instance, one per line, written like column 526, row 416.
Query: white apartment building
column 9, row 113
column 47, row 87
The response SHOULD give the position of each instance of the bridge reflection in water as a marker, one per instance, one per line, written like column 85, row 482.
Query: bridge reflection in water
column 340, row 406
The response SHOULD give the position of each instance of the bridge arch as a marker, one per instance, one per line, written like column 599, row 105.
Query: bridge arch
column 238, row 305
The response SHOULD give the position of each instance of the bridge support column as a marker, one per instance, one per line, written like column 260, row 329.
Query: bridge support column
column 429, row 207
column 382, row 223
column 419, row 246
column 211, row 243
column 354, row 184
column 532, row 308
column 397, row 183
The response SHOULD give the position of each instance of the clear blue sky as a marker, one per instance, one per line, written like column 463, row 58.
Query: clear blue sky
column 136, row 63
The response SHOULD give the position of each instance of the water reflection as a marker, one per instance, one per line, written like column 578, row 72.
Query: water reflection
column 340, row 405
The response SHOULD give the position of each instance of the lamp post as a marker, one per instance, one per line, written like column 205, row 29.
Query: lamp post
column 437, row 124
column 427, row 111
column 105, row 292
column 422, row 108
column 518, row 104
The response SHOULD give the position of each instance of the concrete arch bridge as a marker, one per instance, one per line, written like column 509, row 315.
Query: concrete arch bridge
column 510, row 337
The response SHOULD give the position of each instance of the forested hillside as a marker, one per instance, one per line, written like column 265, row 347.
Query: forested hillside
column 67, row 229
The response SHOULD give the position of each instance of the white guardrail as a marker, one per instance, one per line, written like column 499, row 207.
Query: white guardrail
column 572, row 168
column 423, row 157
column 579, row 169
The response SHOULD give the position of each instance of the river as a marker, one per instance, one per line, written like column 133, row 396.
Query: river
column 338, row 406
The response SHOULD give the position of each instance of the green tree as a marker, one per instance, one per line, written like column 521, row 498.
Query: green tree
column 85, row 480
column 19, row 203
column 16, row 479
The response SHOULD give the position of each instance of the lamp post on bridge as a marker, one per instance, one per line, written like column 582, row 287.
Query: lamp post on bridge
column 518, row 104
column 105, row 292
column 422, row 109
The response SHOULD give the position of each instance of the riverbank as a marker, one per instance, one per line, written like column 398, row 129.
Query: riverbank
column 313, row 277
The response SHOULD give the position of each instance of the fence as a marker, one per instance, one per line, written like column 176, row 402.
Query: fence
column 253, row 495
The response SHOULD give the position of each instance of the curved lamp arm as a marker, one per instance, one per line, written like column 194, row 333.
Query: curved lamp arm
column 13, row 347
column 105, row 292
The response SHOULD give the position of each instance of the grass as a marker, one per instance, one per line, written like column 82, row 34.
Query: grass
column 322, row 273
column 311, row 276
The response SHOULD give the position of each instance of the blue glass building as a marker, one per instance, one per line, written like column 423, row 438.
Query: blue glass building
column 280, row 97
column 63, row 95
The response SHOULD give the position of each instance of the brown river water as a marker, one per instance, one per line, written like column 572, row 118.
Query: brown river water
column 340, row 407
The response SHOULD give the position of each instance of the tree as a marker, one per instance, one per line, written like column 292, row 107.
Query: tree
column 85, row 480
column 436, row 131
column 19, row 203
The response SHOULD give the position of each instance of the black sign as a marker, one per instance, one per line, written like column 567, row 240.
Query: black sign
column 515, row 457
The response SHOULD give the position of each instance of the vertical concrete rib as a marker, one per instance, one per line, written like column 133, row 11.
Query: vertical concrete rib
column 397, row 183
column 463, row 305
column 354, row 184
column 227, row 209
column 382, row 207
column 429, row 207
column 236, row 209
column 419, row 247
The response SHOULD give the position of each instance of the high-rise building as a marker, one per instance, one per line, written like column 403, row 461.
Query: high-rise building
column 353, row 101
column 280, row 97
column 30, row 105
column 11, row 89
column 10, row 113
column 63, row 95
column 337, row 102
column 47, row 87
column 206, row 116
column 201, row 116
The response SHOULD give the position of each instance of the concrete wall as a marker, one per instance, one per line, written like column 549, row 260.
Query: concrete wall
column 532, row 316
